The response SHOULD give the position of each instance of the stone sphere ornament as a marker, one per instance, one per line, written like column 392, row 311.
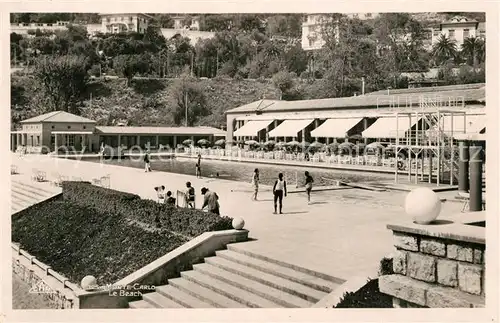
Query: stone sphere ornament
column 423, row 205
column 88, row 282
column 238, row 223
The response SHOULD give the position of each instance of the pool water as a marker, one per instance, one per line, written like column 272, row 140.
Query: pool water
column 242, row 171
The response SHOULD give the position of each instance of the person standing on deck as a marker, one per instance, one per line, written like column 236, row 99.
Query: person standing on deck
column 279, row 190
column 147, row 165
column 211, row 202
column 255, row 184
column 198, row 167
column 309, row 185
column 190, row 196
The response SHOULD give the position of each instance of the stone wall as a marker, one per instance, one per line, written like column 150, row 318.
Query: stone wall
column 42, row 280
column 436, row 270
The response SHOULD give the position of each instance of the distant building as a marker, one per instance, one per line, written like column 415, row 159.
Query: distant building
column 182, row 29
column 124, row 22
column 458, row 29
column 313, row 24
column 25, row 28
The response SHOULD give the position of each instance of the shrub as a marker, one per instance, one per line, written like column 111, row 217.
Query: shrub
column 187, row 222
column 368, row 296
column 77, row 241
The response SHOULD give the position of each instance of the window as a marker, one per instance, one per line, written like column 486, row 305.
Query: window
column 451, row 34
column 52, row 127
column 84, row 127
column 71, row 140
column 69, row 127
column 311, row 42
column 130, row 18
column 108, row 20
column 49, row 25
column 121, row 19
column 466, row 33
column 368, row 15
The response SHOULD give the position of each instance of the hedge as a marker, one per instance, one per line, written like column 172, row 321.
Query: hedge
column 77, row 241
column 187, row 222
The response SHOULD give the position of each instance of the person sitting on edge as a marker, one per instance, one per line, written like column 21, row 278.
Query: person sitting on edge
column 211, row 202
column 278, row 189
column 170, row 199
column 190, row 195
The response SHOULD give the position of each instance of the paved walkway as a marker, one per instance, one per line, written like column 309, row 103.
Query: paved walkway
column 343, row 233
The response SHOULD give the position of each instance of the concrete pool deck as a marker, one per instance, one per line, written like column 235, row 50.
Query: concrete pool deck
column 342, row 233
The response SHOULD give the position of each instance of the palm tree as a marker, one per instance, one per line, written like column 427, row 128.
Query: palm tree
column 473, row 48
column 444, row 50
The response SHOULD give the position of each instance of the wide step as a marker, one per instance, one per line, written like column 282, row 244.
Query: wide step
column 140, row 304
column 205, row 294
column 159, row 301
column 237, row 294
column 288, row 286
column 280, row 271
column 181, row 297
column 270, row 293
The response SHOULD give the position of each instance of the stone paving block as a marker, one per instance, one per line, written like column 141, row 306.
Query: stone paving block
column 405, row 241
column 460, row 252
column 404, row 288
column 399, row 262
column 421, row 267
column 469, row 278
column 433, row 247
column 447, row 272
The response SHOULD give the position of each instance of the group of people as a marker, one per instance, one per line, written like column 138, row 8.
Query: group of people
column 164, row 198
column 279, row 189
column 210, row 203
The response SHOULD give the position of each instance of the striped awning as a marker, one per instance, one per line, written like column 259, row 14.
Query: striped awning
column 389, row 127
column 290, row 128
column 252, row 128
column 335, row 128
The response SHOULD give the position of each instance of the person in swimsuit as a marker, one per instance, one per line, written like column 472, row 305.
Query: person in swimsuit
column 211, row 202
column 279, row 190
column 147, row 165
column 309, row 183
column 255, row 184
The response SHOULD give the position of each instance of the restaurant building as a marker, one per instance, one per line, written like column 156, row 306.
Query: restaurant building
column 377, row 116
column 62, row 130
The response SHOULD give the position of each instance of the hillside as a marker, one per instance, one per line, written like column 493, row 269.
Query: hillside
column 146, row 102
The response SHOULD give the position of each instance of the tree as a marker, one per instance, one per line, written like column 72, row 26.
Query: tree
column 473, row 50
column 186, row 90
column 444, row 50
column 130, row 65
column 64, row 79
column 285, row 82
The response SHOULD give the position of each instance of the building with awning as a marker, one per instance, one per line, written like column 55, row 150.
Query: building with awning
column 389, row 127
column 371, row 110
column 60, row 130
column 252, row 128
column 335, row 127
column 291, row 128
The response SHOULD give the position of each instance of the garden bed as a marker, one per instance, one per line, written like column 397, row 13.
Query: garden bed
column 105, row 233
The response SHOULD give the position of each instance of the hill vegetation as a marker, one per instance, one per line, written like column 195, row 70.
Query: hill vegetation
column 251, row 56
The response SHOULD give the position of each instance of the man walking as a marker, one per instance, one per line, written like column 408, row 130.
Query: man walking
column 279, row 189
column 147, row 165
column 211, row 202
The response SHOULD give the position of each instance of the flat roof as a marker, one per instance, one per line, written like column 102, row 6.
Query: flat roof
column 119, row 130
column 470, row 93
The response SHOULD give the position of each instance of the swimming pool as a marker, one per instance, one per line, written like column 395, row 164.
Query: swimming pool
column 242, row 171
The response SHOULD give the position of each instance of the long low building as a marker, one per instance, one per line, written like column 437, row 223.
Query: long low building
column 382, row 115
column 60, row 129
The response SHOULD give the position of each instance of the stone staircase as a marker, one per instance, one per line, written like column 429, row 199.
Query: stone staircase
column 238, row 278
column 25, row 194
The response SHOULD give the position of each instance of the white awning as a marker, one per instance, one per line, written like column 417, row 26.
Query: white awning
column 290, row 128
column 252, row 128
column 335, row 128
column 470, row 124
column 72, row 132
column 389, row 127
